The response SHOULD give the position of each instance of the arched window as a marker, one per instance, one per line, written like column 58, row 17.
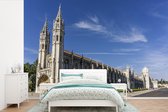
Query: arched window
column 57, row 37
column 76, row 65
column 57, row 20
column 60, row 38
column 99, row 67
column 85, row 67
column 48, row 64
column 42, row 78
column 66, row 64
column 46, row 46
column 42, row 46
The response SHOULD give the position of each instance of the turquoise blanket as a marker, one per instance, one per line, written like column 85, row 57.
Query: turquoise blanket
column 82, row 85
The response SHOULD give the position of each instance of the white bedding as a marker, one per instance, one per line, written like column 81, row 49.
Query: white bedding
column 84, row 93
column 82, row 81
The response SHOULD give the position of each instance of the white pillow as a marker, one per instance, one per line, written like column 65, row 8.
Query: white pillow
column 82, row 81
column 65, row 77
column 94, row 77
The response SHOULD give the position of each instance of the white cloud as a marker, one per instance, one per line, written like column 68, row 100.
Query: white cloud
column 90, row 26
column 132, row 36
column 158, row 10
column 129, row 50
column 106, row 53
column 32, row 51
column 158, row 15
column 94, row 19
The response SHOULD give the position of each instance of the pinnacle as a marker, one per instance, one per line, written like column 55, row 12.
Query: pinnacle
column 59, row 15
column 45, row 27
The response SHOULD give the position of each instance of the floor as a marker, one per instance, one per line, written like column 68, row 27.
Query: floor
column 23, row 106
column 143, row 105
column 150, row 105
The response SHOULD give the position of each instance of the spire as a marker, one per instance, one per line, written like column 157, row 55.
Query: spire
column 60, row 6
column 45, row 27
column 59, row 22
column 59, row 15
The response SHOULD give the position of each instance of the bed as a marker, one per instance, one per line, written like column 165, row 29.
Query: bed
column 89, row 87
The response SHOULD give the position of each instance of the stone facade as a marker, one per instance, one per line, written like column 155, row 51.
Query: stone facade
column 155, row 84
column 50, row 63
column 146, row 78
column 133, row 81
column 148, row 82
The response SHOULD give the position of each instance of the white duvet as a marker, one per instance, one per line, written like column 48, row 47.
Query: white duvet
column 83, row 93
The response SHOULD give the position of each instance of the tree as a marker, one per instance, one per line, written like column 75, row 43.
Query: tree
column 26, row 67
column 31, row 69
column 32, row 83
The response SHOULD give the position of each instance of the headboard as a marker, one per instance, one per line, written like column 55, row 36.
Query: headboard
column 97, row 74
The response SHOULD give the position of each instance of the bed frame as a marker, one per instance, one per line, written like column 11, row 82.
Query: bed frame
column 121, row 86
column 98, row 74
column 83, row 103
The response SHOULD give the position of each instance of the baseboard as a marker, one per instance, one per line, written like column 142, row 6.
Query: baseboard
column 3, row 107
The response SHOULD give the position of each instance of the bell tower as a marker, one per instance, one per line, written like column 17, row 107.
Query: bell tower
column 145, row 74
column 57, row 46
column 128, row 76
column 44, row 45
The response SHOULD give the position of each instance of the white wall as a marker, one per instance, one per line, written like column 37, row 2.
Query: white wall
column 11, row 39
column 2, row 93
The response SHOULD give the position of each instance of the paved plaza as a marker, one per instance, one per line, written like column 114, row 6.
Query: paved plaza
column 163, row 92
column 150, row 105
column 150, row 100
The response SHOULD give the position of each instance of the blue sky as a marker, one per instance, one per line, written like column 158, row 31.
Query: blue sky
column 115, row 32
